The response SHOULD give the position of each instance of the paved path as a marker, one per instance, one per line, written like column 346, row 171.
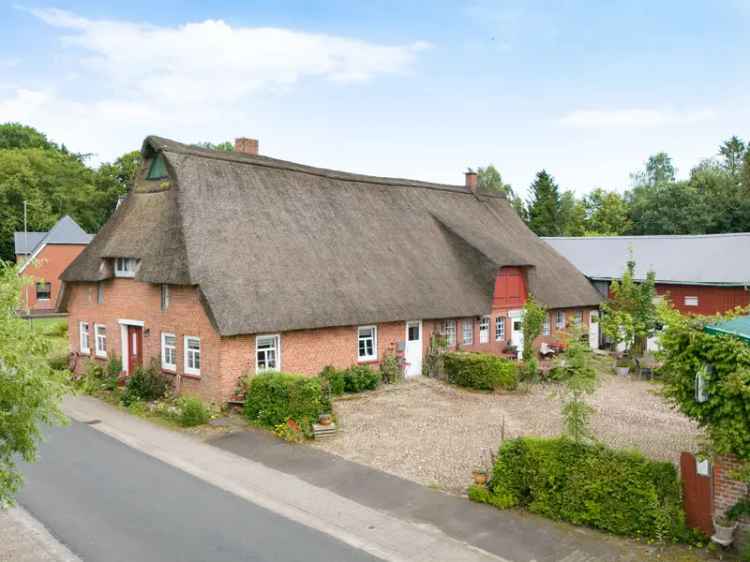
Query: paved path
column 110, row 503
column 24, row 539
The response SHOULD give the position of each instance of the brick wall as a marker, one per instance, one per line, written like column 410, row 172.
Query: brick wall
column 726, row 490
column 47, row 267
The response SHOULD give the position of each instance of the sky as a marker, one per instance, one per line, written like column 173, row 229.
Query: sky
column 423, row 90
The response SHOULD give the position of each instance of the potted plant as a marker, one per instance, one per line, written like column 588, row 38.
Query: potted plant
column 480, row 476
column 724, row 527
column 325, row 419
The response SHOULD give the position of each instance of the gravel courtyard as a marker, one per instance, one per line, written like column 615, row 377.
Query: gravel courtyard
column 433, row 433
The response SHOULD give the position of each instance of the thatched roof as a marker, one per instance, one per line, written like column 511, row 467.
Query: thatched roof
column 278, row 246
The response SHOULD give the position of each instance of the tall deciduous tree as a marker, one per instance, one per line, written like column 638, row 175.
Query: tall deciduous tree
column 30, row 391
column 544, row 206
column 489, row 180
column 606, row 213
column 732, row 152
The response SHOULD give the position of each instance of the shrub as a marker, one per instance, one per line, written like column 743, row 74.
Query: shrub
column 289, row 431
column 482, row 371
column 333, row 380
column 58, row 362
column 272, row 398
column 192, row 411
column 358, row 378
column 433, row 366
column 391, row 368
column 620, row 492
column 144, row 384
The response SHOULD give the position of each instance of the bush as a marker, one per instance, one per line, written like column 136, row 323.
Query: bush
column 273, row 398
column 58, row 362
column 333, row 380
column 482, row 371
column 192, row 412
column 620, row 492
column 391, row 368
column 358, row 378
column 144, row 384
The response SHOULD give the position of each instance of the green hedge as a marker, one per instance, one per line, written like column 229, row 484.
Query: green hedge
column 356, row 378
column 272, row 398
column 617, row 491
column 483, row 371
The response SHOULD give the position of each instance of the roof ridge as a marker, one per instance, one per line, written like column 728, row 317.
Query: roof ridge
column 169, row 145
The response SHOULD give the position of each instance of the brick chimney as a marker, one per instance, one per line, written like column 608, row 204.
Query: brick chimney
column 246, row 146
column 471, row 180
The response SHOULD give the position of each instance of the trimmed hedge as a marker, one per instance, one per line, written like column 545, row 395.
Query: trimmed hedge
column 617, row 491
column 356, row 378
column 272, row 398
column 482, row 371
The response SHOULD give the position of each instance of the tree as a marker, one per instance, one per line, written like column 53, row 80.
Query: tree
column 659, row 169
column 544, row 206
column 113, row 180
column 629, row 316
column 15, row 135
column 489, row 180
column 732, row 152
column 606, row 213
column 579, row 379
column 225, row 146
column 30, row 391
column 531, row 324
column 572, row 215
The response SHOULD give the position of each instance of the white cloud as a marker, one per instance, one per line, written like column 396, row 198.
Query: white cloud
column 636, row 118
column 214, row 61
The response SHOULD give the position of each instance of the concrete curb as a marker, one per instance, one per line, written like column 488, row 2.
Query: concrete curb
column 24, row 539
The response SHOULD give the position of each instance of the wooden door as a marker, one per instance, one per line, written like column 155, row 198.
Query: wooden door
column 135, row 348
column 697, row 497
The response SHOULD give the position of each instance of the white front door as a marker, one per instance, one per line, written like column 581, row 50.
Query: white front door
column 516, row 330
column 413, row 349
column 594, row 329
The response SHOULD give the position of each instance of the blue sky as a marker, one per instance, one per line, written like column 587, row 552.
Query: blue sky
column 422, row 90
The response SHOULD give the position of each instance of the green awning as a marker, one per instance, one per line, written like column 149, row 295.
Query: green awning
column 739, row 327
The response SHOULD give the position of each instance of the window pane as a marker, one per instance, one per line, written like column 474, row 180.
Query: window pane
column 194, row 344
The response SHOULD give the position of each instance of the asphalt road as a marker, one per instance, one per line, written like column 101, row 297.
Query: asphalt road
column 108, row 503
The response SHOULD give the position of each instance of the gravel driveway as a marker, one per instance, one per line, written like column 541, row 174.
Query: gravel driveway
column 433, row 433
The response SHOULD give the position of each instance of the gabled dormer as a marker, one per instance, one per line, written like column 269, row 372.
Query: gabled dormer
column 511, row 288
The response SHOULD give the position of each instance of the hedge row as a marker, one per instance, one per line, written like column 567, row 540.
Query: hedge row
column 356, row 378
column 620, row 492
column 272, row 398
column 482, row 371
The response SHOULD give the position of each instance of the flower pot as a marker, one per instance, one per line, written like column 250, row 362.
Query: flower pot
column 480, row 477
column 622, row 371
column 724, row 534
column 325, row 419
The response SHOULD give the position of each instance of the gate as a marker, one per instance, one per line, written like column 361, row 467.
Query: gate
column 697, row 498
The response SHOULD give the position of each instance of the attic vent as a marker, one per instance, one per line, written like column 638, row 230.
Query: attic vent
column 158, row 168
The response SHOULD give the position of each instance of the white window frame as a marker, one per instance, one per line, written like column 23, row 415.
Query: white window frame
column 191, row 352
column 560, row 320
column 691, row 300
column 125, row 267
column 164, row 297
column 100, row 350
column 449, row 331
column 467, row 331
column 578, row 318
column 277, row 348
column 164, row 365
column 500, row 323
column 84, row 335
column 374, row 337
column 49, row 293
column 484, row 329
column 547, row 326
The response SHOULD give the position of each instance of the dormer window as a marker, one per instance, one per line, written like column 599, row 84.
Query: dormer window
column 158, row 168
column 125, row 267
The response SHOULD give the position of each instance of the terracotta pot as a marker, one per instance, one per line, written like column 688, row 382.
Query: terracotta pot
column 325, row 419
column 480, row 477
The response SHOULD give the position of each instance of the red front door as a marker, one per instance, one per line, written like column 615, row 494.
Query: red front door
column 135, row 348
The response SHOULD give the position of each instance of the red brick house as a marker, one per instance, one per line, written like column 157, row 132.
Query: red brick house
column 219, row 265
column 701, row 274
column 43, row 256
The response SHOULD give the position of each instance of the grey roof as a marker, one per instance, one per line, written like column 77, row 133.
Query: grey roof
column 707, row 259
column 65, row 231
column 276, row 246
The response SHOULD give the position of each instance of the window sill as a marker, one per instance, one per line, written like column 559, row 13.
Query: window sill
column 167, row 371
column 86, row 353
column 191, row 375
column 100, row 355
column 366, row 361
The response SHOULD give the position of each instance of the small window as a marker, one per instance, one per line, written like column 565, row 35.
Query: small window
column 367, row 344
column 100, row 340
column 125, row 267
column 412, row 331
column 546, row 326
column 468, row 331
column 560, row 320
column 449, row 331
column 484, row 329
column 500, row 328
column 164, row 297
column 578, row 318
column 169, row 352
column 84, row 337
column 100, row 293
column 691, row 301
column 192, row 355
column 43, row 291
column 267, row 353
column 158, row 169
